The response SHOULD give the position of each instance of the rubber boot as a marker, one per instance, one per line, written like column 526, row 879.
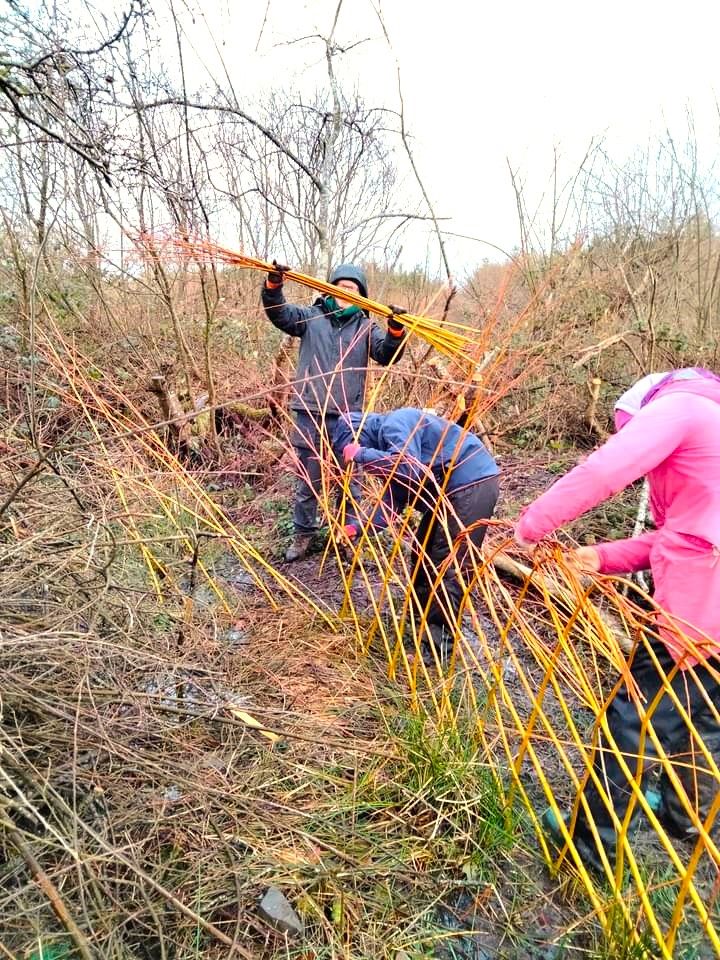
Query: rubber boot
column 553, row 831
column 438, row 646
column 299, row 547
column 586, row 848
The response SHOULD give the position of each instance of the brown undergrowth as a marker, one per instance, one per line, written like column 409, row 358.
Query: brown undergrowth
column 185, row 722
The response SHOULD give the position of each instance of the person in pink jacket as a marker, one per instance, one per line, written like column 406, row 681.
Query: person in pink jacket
column 668, row 428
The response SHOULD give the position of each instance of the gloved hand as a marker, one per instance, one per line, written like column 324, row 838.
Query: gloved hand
column 347, row 543
column 350, row 451
column 276, row 277
column 396, row 328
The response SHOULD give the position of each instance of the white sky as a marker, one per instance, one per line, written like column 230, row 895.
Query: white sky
column 484, row 82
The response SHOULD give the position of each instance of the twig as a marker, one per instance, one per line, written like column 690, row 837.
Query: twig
column 50, row 891
column 520, row 571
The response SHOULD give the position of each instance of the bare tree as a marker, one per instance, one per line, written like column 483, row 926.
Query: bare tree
column 349, row 213
column 55, row 88
column 105, row 144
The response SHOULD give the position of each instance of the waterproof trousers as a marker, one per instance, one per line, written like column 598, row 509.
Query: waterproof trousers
column 684, row 740
column 439, row 581
column 309, row 449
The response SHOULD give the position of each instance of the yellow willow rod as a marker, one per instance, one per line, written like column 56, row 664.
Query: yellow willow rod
column 527, row 730
column 588, row 630
column 388, row 576
column 538, row 714
column 209, row 249
column 683, row 892
column 668, row 767
column 435, row 516
column 199, row 512
column 527, row 745
column 579, row 865
column 688, row 887
column 538, row 765
column 562, row 631
column 164, row 501
column 214, row 516
column 541, row 651
column 443, row 337
column 209, row 513
column 575, row 600
column 497, row 693
column 346, row 480
column 151, row 561
column 347, row 600
column 640, row 798
column 410, row 598
column 386, row 564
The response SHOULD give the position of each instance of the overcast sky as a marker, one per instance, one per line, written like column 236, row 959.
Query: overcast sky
column 486, row 82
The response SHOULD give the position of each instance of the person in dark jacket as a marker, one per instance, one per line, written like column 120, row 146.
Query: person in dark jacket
column 337, row 340
column 421, row 456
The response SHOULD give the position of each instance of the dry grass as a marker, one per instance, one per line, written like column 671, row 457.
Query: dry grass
column 184, row 724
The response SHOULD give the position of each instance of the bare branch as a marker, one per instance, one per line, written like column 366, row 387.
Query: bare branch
column 238, row 112
column 411, row 157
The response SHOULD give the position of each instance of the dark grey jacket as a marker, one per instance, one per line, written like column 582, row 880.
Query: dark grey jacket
column 333, row 360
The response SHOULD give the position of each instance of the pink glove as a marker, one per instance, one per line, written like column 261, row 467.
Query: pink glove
column 350, row 531
column 350, row 451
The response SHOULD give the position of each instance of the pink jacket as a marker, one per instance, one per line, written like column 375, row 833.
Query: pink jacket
column 675, row 440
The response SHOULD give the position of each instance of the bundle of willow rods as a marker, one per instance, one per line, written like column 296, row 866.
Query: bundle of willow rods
column 454, row 340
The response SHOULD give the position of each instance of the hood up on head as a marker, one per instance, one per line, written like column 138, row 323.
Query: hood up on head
column 645, row 390
column 348, row 271
column 630, row 402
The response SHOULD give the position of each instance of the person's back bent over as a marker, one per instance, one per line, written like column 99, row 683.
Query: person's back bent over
column 445, row 473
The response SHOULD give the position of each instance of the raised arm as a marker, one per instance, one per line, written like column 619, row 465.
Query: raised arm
column 387, row 348
column 288, row 317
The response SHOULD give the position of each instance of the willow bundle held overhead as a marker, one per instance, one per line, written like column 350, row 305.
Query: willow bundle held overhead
column 453, row 340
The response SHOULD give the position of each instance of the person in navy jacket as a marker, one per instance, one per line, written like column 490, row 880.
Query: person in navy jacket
column 422, row 456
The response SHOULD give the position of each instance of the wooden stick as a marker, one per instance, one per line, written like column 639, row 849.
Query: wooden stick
column 520, row 571
column 50, row 891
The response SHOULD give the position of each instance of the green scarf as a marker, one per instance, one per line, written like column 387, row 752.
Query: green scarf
column 338, row 315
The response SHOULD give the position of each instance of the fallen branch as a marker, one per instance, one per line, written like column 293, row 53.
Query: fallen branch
column 250, row 413
column 50, row 890
column 520, row 571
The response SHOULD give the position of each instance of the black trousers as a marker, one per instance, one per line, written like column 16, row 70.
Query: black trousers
column 469, row 504
column 698, row 691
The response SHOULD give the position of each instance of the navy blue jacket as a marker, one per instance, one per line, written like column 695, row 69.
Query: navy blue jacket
column 421, row 452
